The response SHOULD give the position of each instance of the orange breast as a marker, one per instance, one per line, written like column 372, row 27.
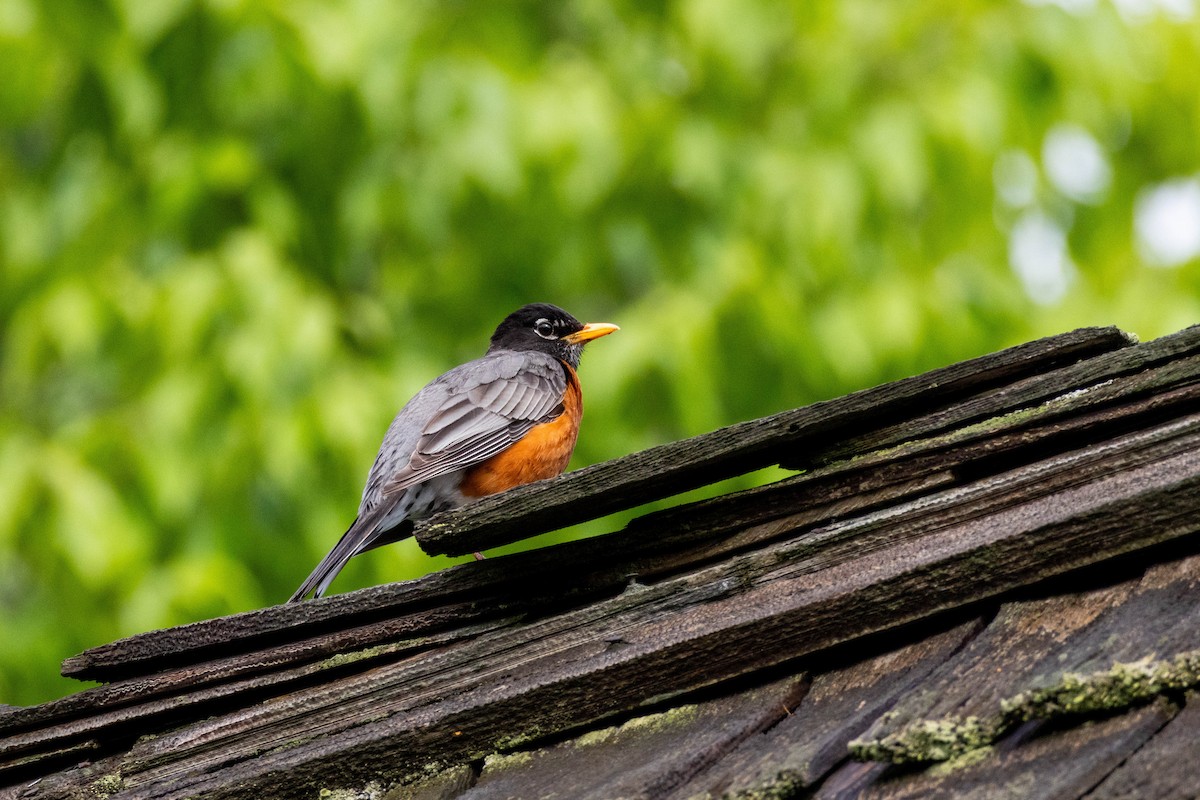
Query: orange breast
column 542, row 453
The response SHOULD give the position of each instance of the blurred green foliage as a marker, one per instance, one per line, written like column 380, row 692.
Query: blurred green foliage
column 236, row 236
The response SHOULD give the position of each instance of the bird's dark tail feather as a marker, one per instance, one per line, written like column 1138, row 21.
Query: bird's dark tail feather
column 390, row 536
column 359, row 537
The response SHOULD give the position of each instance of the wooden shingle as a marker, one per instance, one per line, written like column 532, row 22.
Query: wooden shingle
column 973, row 574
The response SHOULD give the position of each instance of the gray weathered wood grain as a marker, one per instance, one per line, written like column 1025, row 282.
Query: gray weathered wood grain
column 870, row 478
column 812, row 739
column 1003, row 475
column 1164, row 767
column 832, row 585
column 1066, row 654
column 646, row 757
column 1060, row 766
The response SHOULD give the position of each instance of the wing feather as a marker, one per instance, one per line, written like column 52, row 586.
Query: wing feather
column 523, row 407
column 487, row 395
column 483, row 416
column 453, row 411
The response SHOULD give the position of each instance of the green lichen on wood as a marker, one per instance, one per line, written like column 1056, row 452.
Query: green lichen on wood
column 433, row 781
column 509, row 754
column 960, row 762
column 593, row 738
column 517, row 741
column 1117, row 687
column 662, row 720
column 370, row 791
column 503, row 761
column 648, row 723
column 957, row 738
column 429, row 771
column 106, row 785
column 989, row 426
column 342, row 659
column 928, row 740
column 785, row 785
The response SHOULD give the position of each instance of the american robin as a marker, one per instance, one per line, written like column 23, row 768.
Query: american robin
column 500, row 421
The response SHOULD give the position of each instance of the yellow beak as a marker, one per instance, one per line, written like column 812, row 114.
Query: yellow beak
column 592, row 330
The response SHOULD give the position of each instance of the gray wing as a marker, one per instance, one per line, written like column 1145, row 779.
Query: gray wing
column 490, row 404
column 466, row 416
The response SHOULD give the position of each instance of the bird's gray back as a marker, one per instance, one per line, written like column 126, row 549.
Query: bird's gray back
column 412, row 421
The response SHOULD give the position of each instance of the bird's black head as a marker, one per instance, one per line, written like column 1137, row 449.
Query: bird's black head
column 548, row 329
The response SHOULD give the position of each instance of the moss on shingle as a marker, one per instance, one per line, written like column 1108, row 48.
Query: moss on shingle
column 341, row 659
column 1117, row 687
column 370, row 791
column 929, row 740
column 107, row 784
column 1120, row 686
column 785, row 785
column 503, row 761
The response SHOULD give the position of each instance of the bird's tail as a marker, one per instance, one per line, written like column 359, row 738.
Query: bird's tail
column 359, row 537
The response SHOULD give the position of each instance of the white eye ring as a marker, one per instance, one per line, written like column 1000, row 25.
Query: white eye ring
column 544, row 329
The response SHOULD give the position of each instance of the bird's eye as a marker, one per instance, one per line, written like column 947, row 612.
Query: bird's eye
column 544, row 329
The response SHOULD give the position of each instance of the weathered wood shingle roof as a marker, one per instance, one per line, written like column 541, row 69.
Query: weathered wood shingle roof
column 983, row 581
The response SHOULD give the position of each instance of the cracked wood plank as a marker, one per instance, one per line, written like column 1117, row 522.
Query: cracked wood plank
column 141, row 706
column 823, row 494
column 1093, row 378
column 1164, row 767
column 812, row 739
column 644, row 758
column 1059, row 765
column 959, row 707
column 660, row 543
column 836, row 584
column 107, row 705
column 1070, row 654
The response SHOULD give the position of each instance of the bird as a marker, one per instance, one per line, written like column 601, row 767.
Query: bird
column 508, row 418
